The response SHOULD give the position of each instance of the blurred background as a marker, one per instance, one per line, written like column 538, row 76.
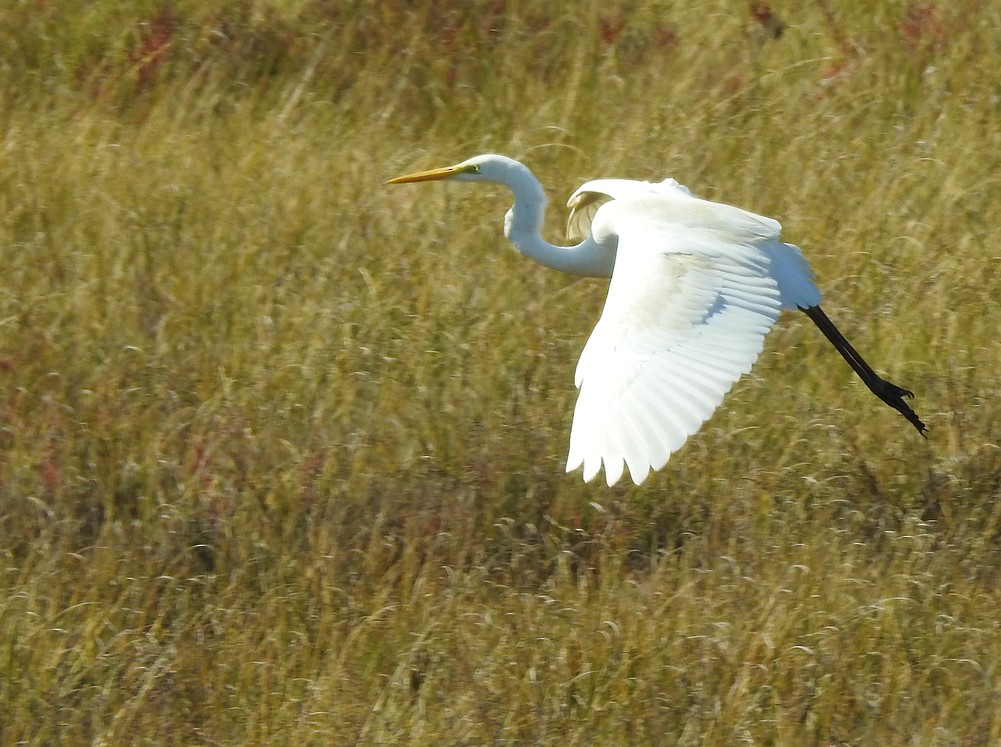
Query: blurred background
column 282, row 449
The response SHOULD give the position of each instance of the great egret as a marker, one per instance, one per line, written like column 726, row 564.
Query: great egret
column 695, row 286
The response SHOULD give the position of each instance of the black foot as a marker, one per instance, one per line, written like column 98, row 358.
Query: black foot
column 893, row 395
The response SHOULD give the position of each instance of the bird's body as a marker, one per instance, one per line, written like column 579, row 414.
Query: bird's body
column 695, row 287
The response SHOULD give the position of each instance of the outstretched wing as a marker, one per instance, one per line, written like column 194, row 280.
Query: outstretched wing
column 691, row 299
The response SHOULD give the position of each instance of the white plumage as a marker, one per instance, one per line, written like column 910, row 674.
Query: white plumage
column 695, row 287
column 694, row 291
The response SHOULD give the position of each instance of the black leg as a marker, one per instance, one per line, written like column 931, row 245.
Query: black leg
column 891, row 394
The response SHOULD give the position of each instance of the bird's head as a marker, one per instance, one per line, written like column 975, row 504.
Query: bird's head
column 485, row 168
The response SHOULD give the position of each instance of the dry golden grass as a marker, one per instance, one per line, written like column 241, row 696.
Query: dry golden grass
column 281, row 449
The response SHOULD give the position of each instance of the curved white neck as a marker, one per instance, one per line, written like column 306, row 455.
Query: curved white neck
column 523, row 228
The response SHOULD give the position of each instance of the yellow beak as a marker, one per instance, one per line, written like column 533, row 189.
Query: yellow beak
column 428, row 176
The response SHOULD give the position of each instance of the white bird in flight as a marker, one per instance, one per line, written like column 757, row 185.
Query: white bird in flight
column 695, row 287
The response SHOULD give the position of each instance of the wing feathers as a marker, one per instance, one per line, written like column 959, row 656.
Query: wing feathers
column 686, row 316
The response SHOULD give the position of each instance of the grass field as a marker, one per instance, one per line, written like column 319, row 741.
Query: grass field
column 282, row 449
